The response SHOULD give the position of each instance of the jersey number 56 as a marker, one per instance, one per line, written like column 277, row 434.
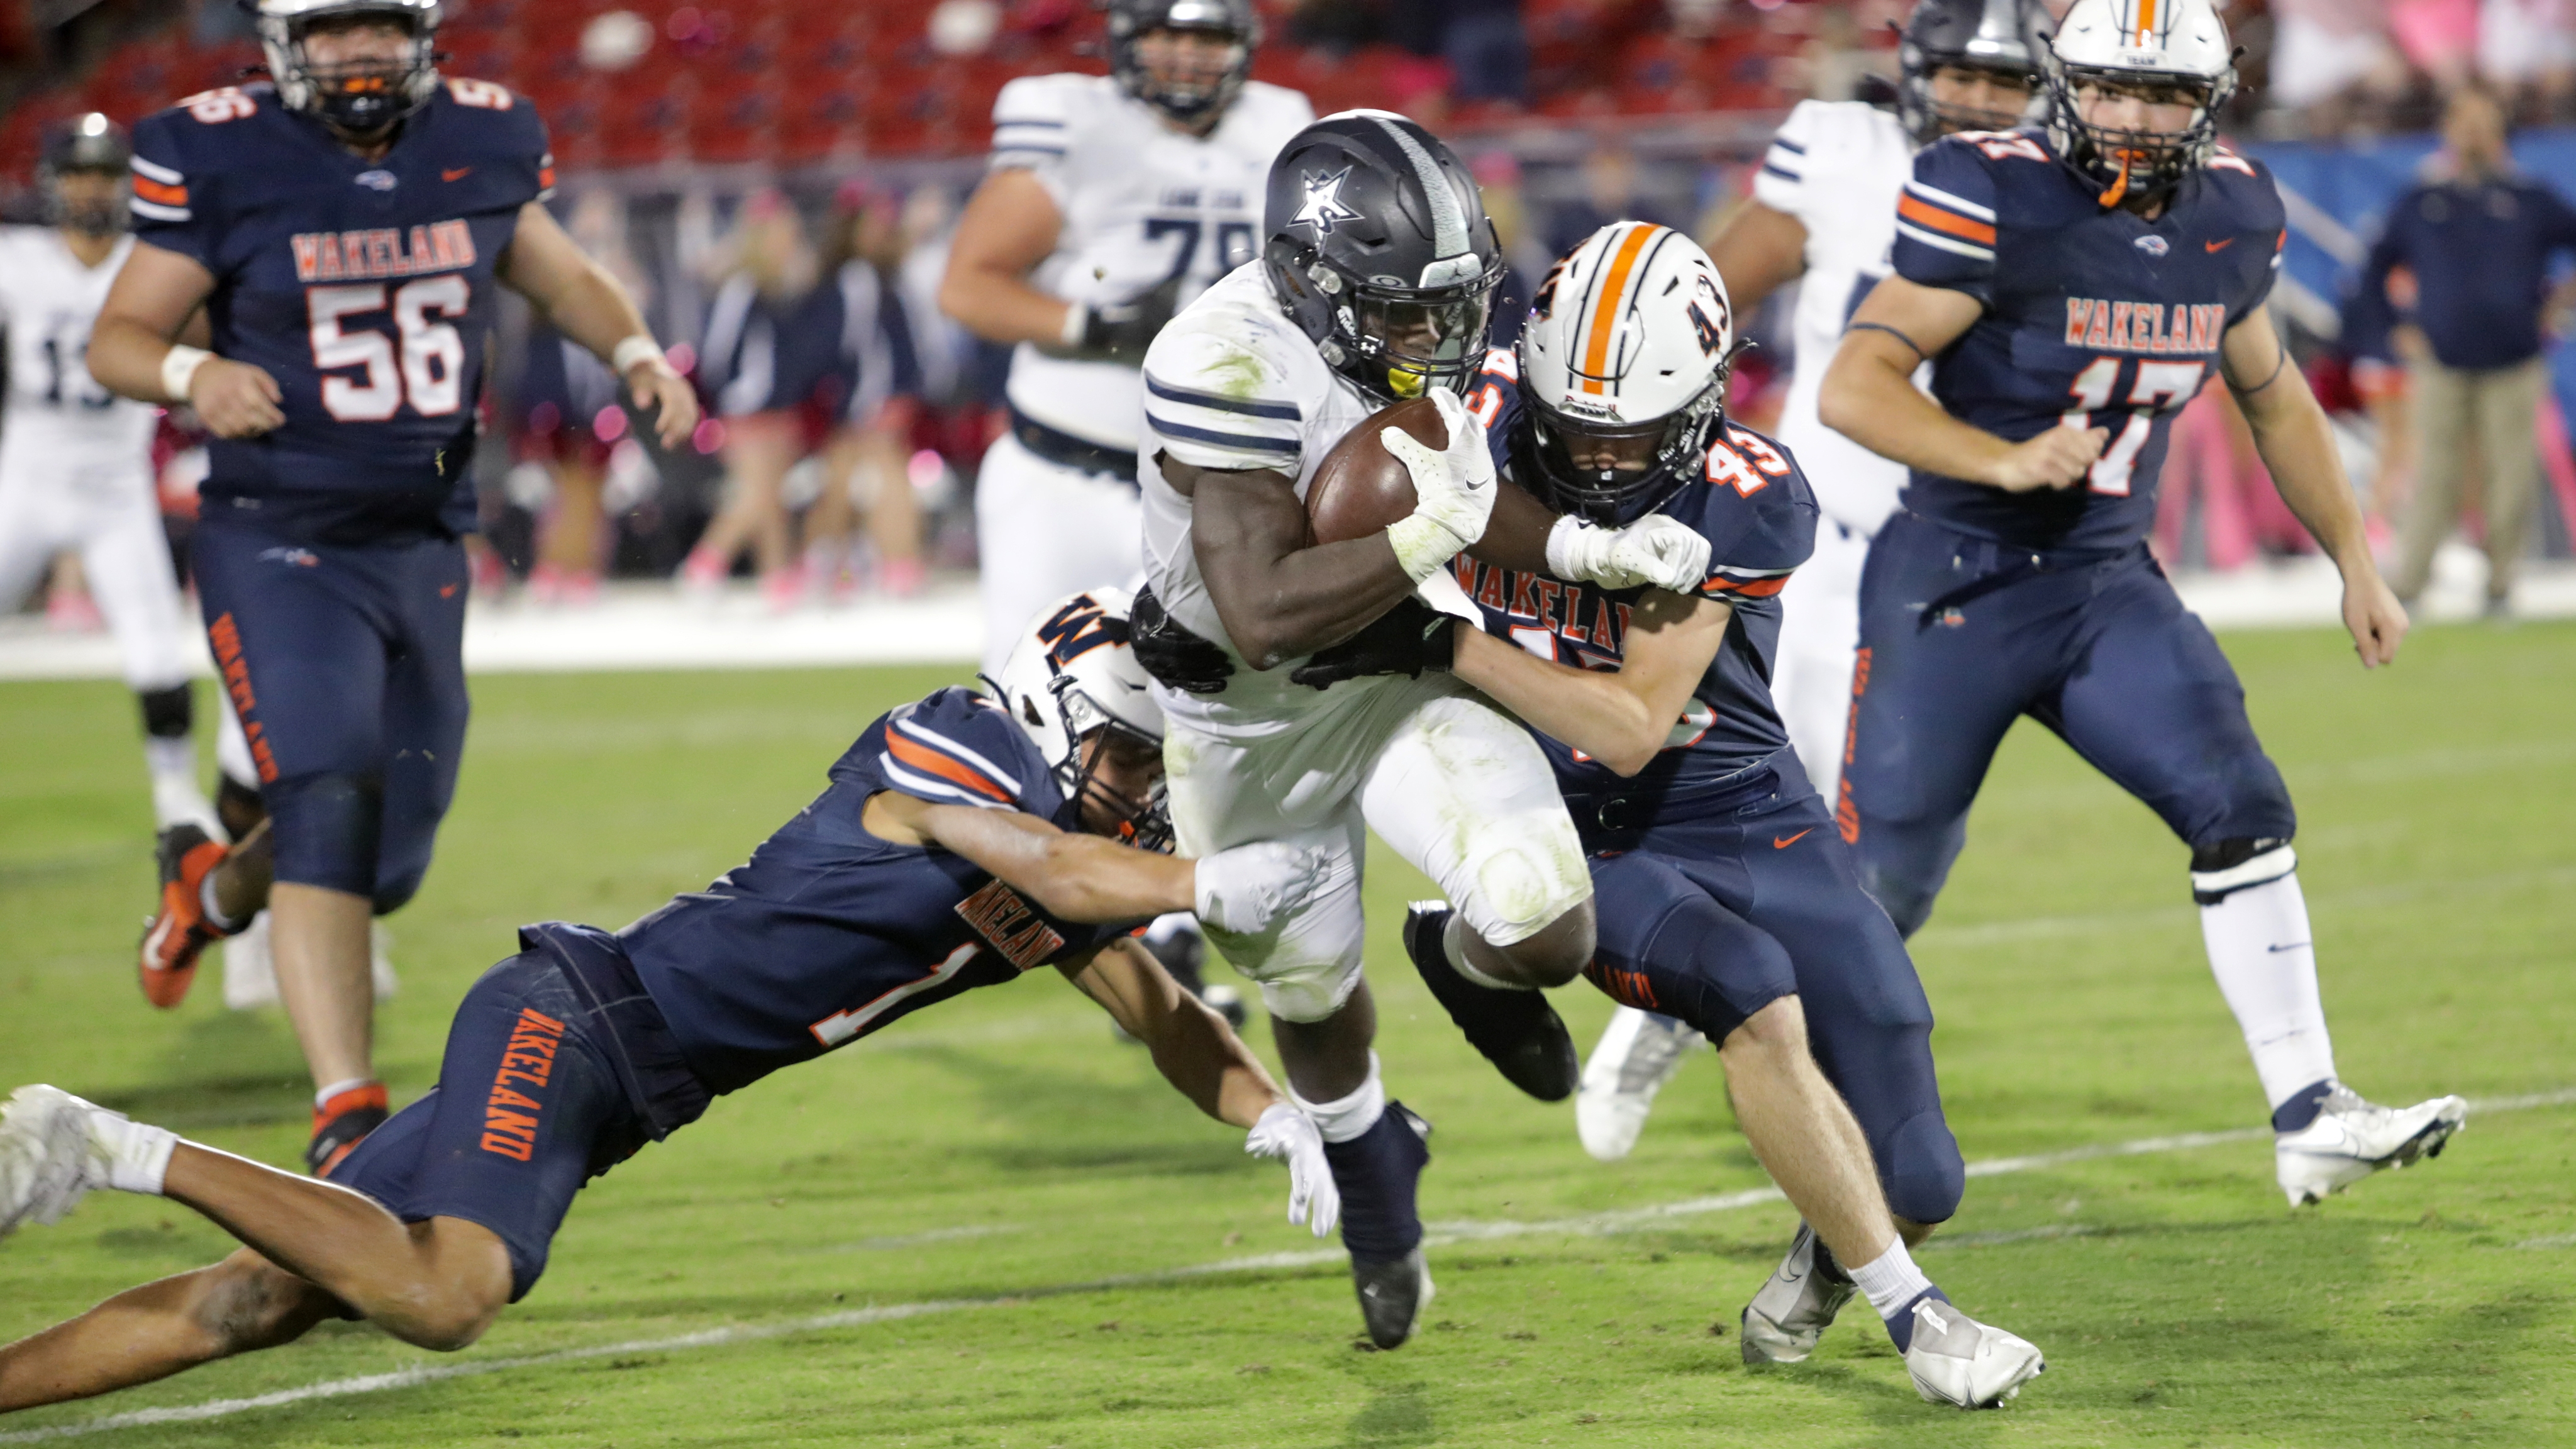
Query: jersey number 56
column 423, row 360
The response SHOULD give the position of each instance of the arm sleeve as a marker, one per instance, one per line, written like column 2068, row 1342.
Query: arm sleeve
column 1032, row 129
column 1760, row 521
column 1945, row 220
column 173, row 209
column 1781, row 183
column 959, row 748
column 1212, row 402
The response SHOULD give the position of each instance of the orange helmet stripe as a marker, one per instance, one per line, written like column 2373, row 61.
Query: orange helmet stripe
column 1605, row 308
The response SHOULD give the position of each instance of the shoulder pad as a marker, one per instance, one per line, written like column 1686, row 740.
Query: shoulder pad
column 1757, row 513
column 958, row 747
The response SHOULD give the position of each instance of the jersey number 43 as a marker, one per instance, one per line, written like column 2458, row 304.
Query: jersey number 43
column 421, row 360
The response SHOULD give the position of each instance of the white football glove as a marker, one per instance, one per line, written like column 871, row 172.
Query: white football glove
column 1453, row 489
column 1656, row 550
column 1244, row 889
column 1288, row 1134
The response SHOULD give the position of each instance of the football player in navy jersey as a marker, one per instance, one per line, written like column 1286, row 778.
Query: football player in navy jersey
column 1726, row 899
column 959, row 844
column 342, row 231
column 2073, row 285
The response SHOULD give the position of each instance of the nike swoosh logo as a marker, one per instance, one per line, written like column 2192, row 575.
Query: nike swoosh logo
column 2218, row 246
column 461, row 172
column 2293, row 946
column 1778, row 844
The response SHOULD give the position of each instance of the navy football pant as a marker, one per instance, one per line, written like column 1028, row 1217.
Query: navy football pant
column 346, row 665
column 1960, row 636
column 558, row 1067
column 1719, row 907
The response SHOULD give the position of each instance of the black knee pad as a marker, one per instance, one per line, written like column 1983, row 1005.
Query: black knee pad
column 2224, row 867
column 1921, row 1170
column 238, row 806
column 168, row 714
column 327, row 830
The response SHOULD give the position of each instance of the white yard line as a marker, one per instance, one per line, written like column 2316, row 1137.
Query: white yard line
column 1439, row 1234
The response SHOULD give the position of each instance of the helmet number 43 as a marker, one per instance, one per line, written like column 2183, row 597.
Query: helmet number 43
column 2159, row 387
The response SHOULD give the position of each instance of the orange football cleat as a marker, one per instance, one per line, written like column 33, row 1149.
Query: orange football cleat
column 173, row 938
column 343, row 1122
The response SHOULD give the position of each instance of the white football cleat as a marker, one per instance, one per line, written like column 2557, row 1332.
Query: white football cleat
column 46, row 1157
column 1793, row 1309
column 1954, row 1359
column 2351, row 1139
column 1637, row 1054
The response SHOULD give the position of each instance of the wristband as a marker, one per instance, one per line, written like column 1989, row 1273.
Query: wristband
column 179, row 368
column 636, row 349
column 1077, row 321
column 1560, row 551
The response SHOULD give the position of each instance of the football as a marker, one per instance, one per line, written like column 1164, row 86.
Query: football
column 1361, row 487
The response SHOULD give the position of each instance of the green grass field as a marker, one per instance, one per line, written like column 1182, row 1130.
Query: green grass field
column 1004, row 1159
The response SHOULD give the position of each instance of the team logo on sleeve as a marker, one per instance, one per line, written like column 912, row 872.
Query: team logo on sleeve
column 1324, row 209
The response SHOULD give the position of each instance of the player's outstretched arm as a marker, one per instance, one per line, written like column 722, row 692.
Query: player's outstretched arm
column 134, row 348
column 1621, row 718
column 1869, row 396
column 1202, row 1057
column 589, row 305
column 2297, row 444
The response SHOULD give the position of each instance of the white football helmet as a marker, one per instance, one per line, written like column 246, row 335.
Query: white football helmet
column 1623, row 368
column 358, row 99
column 1072, row 675
column 2178, row 43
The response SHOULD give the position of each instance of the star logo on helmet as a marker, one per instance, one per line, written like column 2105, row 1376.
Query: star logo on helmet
column 1324, row 210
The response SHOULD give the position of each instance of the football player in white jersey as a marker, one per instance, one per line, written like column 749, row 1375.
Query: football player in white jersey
column 76, row 459
column 1113, row 201
column 1823, row 215
column 1377, row 272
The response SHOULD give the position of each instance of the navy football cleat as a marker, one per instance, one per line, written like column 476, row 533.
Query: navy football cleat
column 1516, row 1030
column 1377, row 1172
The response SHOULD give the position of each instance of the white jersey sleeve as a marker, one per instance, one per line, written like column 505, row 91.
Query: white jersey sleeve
column 1781, row 184
column 1032, row 131
column 59, row 418
column 1213, row 402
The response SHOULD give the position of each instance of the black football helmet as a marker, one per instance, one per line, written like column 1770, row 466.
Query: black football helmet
column 1131, row 20
column 1995, row 35
column 356, row 99
column 1380, row 249
column 93, row 144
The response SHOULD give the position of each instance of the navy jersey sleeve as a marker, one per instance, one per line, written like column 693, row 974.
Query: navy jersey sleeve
column 1496, row 402
column 1945, row 216
column 2261, row 219
column 1758, row 515
column 178, row 189
column 959, row 748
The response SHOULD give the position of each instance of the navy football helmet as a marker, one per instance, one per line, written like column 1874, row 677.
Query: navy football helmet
column 93, row 144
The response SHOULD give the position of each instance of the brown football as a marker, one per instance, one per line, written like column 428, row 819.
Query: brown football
column 1361, row 487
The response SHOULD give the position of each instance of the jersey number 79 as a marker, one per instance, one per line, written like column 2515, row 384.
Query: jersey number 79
column 423, row 360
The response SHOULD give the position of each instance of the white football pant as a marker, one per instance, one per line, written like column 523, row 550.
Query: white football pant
column 107, row 513
column 1811, row 681
column 1456, row 787
column 1043, row 531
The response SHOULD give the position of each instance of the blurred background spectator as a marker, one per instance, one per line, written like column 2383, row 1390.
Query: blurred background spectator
column 864, row 126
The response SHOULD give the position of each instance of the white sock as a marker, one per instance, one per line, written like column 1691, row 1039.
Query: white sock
column 171, row 757
column 1890, row 1281
column 322, row 1099
column 138, row 1156
column 2266, row 965
column 1453, row 945
column 1348, row 1117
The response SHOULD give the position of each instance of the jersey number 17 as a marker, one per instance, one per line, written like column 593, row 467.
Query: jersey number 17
column 2159, row 387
